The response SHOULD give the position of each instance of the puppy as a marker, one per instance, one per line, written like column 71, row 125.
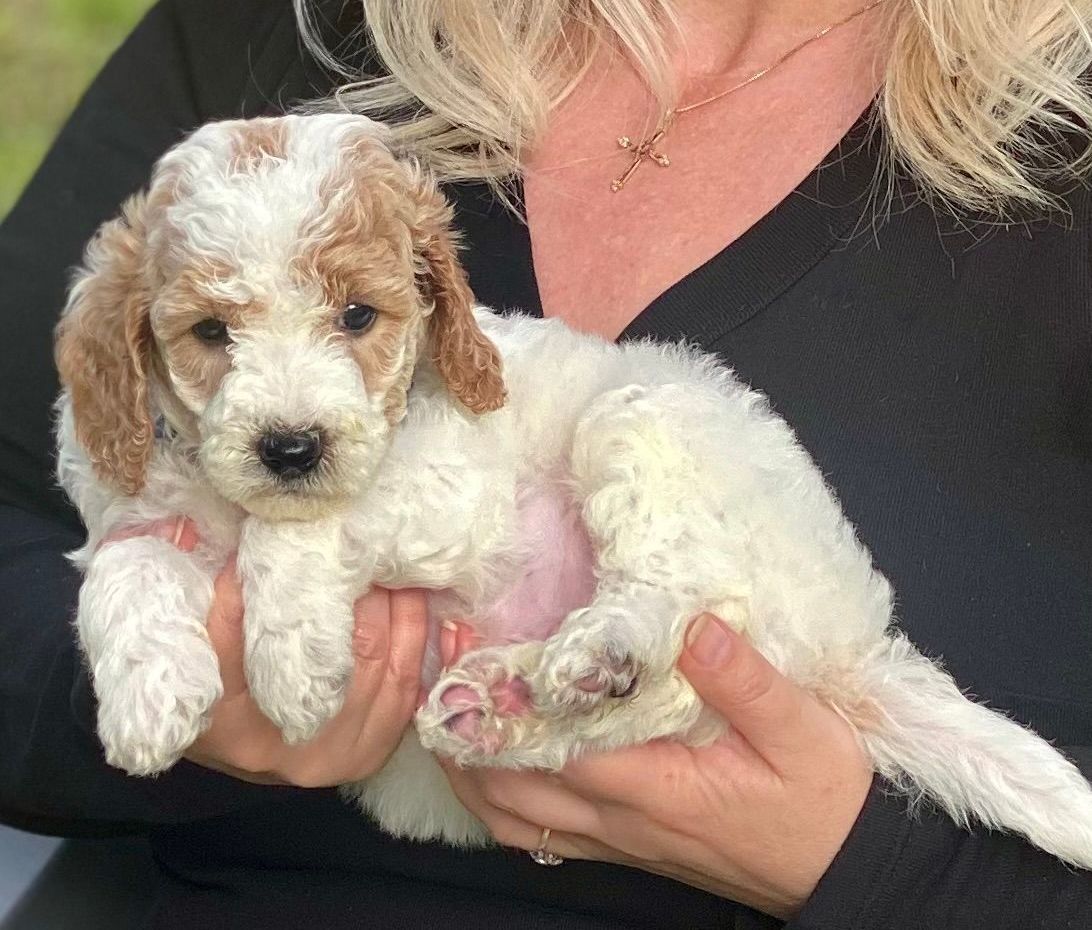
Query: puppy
column 277, row 340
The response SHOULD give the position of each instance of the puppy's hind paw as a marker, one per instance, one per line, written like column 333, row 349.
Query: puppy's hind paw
column 582, row 671
column 478, row 710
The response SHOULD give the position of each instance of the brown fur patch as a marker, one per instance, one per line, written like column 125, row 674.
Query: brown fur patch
column 371, row 251
column 467, row 361
column 198, row 365
column 103, row 348
column 254, row 139
column 365, row 255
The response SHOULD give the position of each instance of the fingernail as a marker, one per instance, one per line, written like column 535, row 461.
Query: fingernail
column 179, row 529
column 448, row 635
column 709, row 641
column 449, row 625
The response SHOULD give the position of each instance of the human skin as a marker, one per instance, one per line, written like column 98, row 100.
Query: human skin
column 601, row 257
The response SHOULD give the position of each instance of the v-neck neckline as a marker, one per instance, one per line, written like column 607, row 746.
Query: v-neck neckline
column 722, row 293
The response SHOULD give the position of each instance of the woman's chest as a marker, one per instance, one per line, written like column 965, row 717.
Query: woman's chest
column 601, row 254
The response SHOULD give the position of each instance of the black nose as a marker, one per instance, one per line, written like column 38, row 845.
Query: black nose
column 290, row 455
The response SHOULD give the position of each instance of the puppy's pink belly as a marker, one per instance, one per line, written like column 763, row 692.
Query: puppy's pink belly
column 559, row 575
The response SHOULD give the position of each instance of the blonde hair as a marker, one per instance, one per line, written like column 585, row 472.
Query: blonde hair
column 984, row 102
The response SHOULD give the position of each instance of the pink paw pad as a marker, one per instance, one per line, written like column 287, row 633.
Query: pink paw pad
column 593, row 684
column 602, row 676
column 467, row 723
column 512, row 697
column 459, row 694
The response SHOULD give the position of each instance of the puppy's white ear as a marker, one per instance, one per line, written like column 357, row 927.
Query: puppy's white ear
column 103, row 351
column 467, row 361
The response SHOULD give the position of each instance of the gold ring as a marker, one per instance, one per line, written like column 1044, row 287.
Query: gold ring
column 541, row 854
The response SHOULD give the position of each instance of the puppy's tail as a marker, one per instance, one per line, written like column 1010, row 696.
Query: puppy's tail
column 928, row 739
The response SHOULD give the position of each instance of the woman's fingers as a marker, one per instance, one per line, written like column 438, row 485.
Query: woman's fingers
column 456, row 639
column 390, row 633
column 179, row 531
column 409, row 634
column 185, row 534
column 539, row 798
column 390, row 643
column 781, row 721
column 371, row 649
column 629, row 775
column 396, row 699
column 225, row 629
column 516, row 806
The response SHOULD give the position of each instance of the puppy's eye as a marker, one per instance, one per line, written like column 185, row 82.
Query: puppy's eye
column 357, row 317
column 211, row 330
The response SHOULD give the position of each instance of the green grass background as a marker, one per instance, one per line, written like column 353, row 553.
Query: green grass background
column 49, row 51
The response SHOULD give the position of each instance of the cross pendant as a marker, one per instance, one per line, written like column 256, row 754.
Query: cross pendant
column 643, row 150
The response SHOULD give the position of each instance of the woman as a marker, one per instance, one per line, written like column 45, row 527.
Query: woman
column 935, row 362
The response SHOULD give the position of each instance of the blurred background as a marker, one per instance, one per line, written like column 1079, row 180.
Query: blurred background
column 49, row 51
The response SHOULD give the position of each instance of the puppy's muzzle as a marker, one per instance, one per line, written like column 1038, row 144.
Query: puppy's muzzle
column 290, row 455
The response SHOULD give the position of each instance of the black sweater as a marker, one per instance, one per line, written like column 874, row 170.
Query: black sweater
column 939, row 373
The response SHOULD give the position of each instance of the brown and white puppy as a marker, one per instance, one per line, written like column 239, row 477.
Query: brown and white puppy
column 277, row 340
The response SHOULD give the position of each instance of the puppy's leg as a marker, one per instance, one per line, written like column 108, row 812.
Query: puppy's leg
column 141, row 623
column 663, row 503
column 299, row 621
column 482, row 712
column 664, row 506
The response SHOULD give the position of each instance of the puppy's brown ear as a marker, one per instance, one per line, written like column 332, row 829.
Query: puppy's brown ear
column 467, row 361
column 103, row 352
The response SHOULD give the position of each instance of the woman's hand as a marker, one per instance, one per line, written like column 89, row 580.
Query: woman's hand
column 756, row 818
column 388, row 646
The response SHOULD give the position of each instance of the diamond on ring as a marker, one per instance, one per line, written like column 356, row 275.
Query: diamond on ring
column 543, row 856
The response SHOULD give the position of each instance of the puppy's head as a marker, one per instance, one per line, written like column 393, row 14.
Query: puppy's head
column 270, row 295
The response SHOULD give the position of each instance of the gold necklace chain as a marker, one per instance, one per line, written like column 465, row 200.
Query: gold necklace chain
column 647, row 147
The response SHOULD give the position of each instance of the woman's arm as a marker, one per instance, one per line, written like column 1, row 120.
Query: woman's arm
column 188, row 61
column 902, row 873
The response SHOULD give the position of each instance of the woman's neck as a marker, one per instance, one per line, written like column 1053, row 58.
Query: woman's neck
column 720, row 38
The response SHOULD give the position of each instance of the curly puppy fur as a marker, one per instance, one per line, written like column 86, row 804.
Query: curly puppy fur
column 580, row 509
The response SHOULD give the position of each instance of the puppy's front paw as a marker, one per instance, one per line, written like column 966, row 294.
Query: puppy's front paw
column 151, row 711
column 298, row 672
